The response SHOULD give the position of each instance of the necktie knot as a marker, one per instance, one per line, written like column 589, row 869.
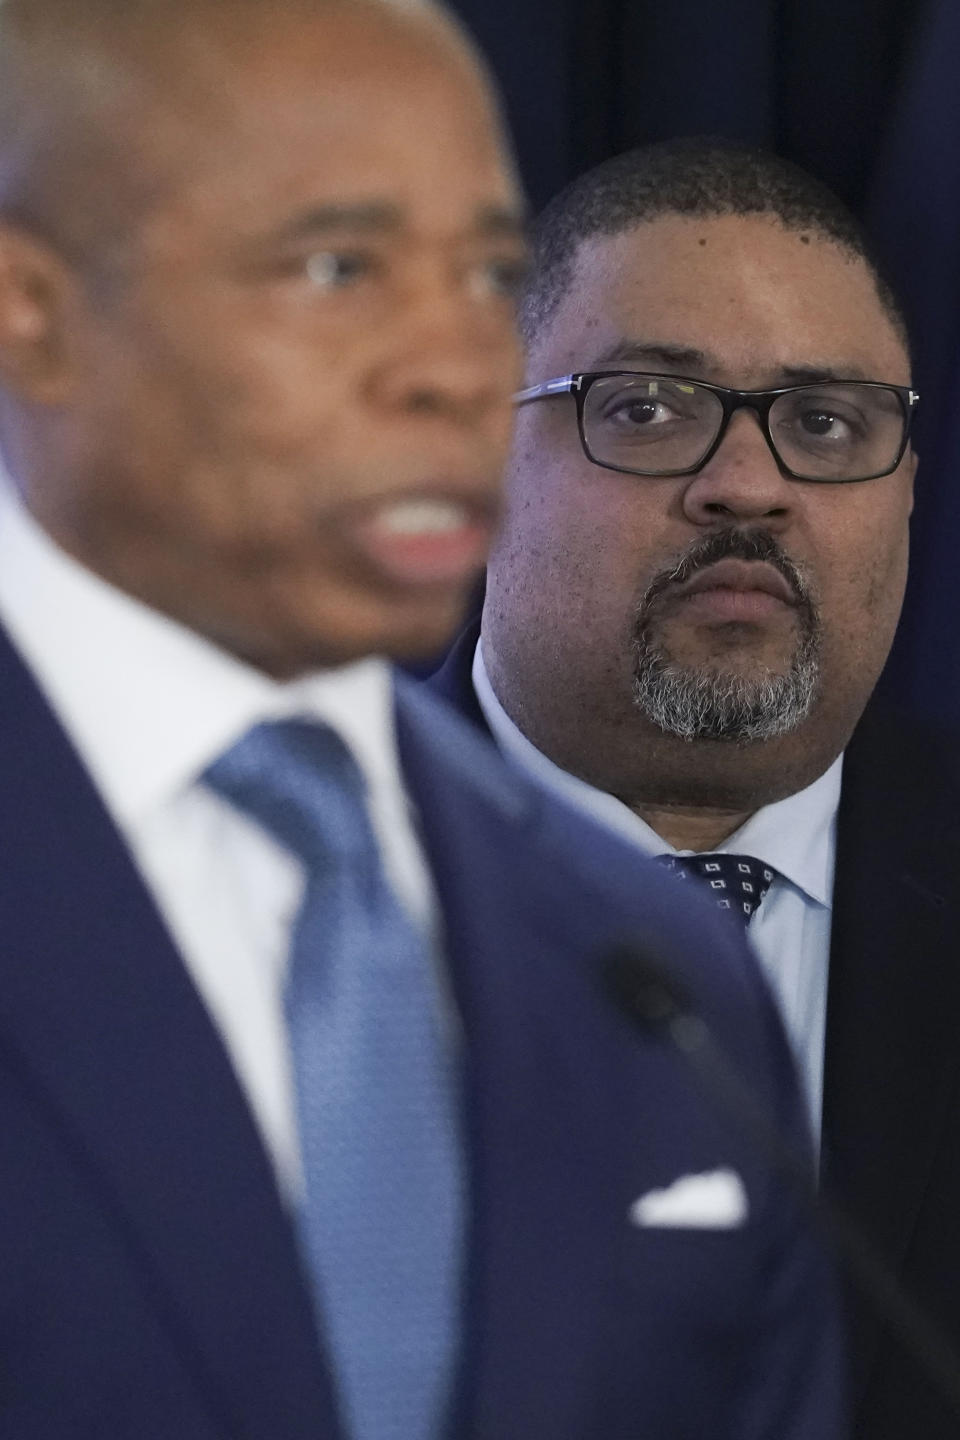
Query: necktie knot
column 299, row 781
column 737, row 883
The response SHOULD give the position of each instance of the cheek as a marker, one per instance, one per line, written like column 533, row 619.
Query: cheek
column 862, row 607
column 271, row 397
column 563, row 535
column 239, row 438
column 888, row 577
column 557, row 502
column 226, row 376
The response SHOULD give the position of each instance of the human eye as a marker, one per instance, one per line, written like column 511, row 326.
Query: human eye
column 637, row 413
column 822, row 420
column 499, row 277
column 329, row 270
column 646, row 405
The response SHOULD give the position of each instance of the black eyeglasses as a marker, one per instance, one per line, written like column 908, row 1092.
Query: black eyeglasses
column 834, row 432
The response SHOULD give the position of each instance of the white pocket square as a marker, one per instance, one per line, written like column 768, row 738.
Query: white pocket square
column 715, row 1200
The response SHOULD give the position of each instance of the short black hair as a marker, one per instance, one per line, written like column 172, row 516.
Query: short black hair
column 696, row 176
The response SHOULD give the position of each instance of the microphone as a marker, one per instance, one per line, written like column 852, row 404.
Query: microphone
column 645, row 992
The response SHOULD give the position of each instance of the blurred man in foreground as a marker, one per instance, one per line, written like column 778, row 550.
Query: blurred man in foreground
column 315, row 1120
column 695, row 589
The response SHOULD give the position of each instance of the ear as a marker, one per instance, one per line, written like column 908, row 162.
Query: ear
column 36, row 290
column 913, row 460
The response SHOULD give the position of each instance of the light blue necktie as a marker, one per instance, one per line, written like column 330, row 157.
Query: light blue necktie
column 382, row 1222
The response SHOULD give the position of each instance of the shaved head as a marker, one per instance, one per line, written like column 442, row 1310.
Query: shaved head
column 258, row 273
column 90, row 91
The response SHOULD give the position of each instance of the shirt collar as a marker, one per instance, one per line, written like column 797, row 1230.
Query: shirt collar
column 148, row 703
column 796, row 836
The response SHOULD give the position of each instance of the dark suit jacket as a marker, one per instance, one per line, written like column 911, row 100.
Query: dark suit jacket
column 149, row 1281
column 891, row 1127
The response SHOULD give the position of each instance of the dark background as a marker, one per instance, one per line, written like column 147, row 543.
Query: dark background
column 863, row 93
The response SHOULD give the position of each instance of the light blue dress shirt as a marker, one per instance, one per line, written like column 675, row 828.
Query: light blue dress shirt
column 796, row 836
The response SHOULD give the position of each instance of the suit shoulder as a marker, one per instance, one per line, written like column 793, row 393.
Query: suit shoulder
column 577, row 874
column 891, row 741
column 904, row 773
column 474, row 769
column 464, row 755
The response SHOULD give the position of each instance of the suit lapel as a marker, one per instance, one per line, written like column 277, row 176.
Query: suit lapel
column 97, row 1006
column 542, row 1157
column 892, row 1058
column 454, row 679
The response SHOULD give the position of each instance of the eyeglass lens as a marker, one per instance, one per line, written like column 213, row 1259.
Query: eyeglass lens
column 656, row 425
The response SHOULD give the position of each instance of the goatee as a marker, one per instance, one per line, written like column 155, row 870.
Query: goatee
column 707, row 702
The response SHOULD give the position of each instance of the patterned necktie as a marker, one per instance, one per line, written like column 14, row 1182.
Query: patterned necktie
column 737, row 882
column 382, row 1222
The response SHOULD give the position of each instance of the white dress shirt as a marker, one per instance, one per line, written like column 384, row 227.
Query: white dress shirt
column 797, row 837
column 149, row 705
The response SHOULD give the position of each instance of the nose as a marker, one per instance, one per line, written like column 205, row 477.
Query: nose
column 447, row 383
column 456, row 358
column 742, row 481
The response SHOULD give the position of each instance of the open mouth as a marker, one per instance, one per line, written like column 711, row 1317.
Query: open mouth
column 427, row 539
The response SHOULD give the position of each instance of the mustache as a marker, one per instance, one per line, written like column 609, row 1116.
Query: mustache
column 730, row 544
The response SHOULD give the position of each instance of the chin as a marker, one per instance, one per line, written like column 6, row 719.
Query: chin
column 298, row 631
column 417, row 644
column 423, row 626
column 406, row 639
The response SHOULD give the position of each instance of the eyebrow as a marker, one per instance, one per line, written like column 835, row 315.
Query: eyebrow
column 685, row 359
column 382, row 217
column 512, row 223
column 653, row 353
column 816, row 374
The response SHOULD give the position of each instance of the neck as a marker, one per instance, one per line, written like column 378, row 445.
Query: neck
column 693, row 794
column 692, row 829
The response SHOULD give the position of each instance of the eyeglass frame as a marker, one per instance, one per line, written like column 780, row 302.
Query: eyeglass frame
column 579, row 382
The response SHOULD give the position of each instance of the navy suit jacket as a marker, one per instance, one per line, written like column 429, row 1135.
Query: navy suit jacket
column 891, row 1123
column 150, row 1287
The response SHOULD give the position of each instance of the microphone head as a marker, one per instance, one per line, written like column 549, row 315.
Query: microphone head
column 642, row 987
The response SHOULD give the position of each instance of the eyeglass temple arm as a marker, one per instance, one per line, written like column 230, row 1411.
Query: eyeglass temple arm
column 561, row 386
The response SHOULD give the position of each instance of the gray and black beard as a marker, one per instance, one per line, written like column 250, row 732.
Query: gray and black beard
column 705, row 702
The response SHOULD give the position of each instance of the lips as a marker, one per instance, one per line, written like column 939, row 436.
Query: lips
column 733, row 592
column 741, row 577
column 427, row 538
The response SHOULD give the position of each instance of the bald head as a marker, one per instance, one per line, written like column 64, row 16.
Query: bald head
column 257, row 299
column 91, row 90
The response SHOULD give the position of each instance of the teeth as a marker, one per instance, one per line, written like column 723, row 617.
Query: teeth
column 423, row 517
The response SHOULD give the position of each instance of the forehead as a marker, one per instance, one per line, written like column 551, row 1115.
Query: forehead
column 349, row 103
column 752, row 297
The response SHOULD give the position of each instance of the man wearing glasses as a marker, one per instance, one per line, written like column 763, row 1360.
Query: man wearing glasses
column 693, row 596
